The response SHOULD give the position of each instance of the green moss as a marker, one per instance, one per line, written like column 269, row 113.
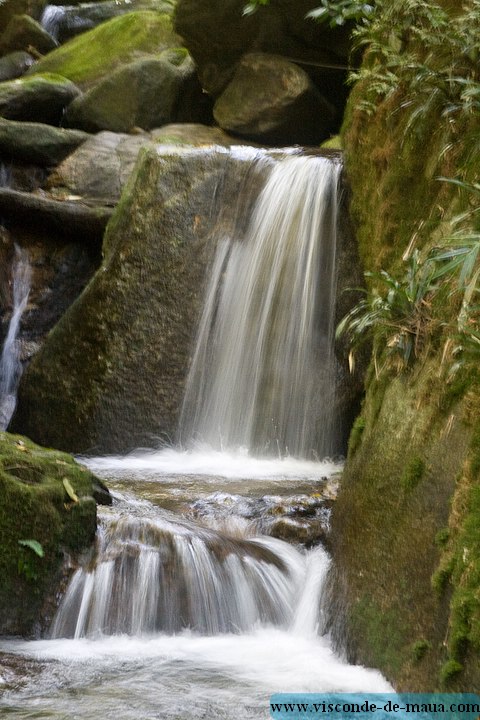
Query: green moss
column 413, row 473
column 442, row 575
column 384, row 633
column 420, row 649
column 356, row 435
column 94, row 54
column 449, row 671
column 333, row 143
column 35, row 506
column 442, row 537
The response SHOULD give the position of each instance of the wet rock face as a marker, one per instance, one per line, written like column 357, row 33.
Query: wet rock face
column 59, row 273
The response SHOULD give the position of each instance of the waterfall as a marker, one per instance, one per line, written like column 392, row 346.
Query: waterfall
column 10, row 363
column 187, row 607
column 263, row 371
column 159, row 575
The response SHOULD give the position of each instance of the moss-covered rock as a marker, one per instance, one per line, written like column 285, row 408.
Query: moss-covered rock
column 47, row 511
column 272, row 100
column 145, row 93
column 22, row 33
column 38, row 143
column 41, row 98
column 88, row 58
column 401, row 474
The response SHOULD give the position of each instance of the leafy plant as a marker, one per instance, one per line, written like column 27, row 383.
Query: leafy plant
column 26, row 563
column 335, row 12
column 341, row 11
column 394, row 313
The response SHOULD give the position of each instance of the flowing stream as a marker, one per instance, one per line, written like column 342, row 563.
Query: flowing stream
column 193, row 605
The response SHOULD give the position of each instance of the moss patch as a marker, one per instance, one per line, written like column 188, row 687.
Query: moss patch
column 94, row 54
column 36, row 507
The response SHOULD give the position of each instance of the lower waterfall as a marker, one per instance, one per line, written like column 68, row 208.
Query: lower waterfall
column 192, row 605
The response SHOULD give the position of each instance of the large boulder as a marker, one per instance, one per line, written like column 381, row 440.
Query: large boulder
column 88, row 58
column 37, row 143
column 41, row 98
column 273, row 100
column 111, row 374
column 146, row 93
column 47, row 512
column 23, row 33
column 218, row 34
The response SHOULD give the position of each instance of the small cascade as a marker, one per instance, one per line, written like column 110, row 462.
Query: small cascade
column 52, row 18
column 10, row 363
column 158, row 575
column 263, row 372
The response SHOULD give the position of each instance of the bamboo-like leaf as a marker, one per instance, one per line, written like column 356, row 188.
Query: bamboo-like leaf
column 33, row 545
column 69, row 490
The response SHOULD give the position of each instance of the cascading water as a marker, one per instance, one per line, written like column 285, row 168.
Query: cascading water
column 161, row 575
column 187, row 610
column 52, row 17
column 263, row 372
column 10, row 363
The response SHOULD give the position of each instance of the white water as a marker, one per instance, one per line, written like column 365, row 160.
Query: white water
column 187, row 670
column 10, row 363
column 263, row 371
column 51, row 18
column 211, row 463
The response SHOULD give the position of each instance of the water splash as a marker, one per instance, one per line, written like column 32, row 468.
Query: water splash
column 263, row 372
column 159, row 575
column 10, row 362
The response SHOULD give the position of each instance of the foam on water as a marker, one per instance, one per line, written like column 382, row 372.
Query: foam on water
column 206, row 462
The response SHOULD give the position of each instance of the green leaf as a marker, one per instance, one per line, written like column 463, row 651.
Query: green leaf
column 33, row 545
column 69, row 490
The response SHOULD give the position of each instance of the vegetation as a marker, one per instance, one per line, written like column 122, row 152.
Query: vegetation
column 38, row 523
column 412, row 146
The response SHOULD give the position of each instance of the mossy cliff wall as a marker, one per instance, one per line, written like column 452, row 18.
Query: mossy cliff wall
column 406, row 525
